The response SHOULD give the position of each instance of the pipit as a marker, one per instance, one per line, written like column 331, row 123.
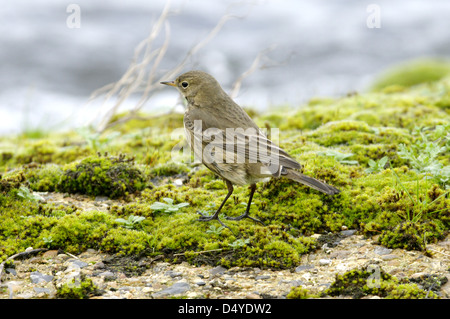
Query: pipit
column 230, row 144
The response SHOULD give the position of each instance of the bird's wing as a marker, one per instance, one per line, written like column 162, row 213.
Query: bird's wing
column 236, row 145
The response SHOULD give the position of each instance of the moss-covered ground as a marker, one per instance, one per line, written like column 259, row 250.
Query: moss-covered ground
column 387, row 150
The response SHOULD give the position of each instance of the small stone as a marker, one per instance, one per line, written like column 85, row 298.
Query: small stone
column 28, row 249
column 178, row 182
column 348, row 233
column 324, row 262
column 50, row 254
column 99, row 265
column 219, row 270
column 11, row 271
column 37, row 277
column 382, row 250
column 173, row 274
column 107, row 274
column 200, row 283
column 389, row 257
column 42, row 290
column 253, row 296
column 303, row 267
column 263, row 277
column 177, row 288
column 80, row 263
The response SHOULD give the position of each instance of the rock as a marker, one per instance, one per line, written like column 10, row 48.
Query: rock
column 263, row 277
column 177, row 288
column 389, row 257
column 303, row 267
column 219, row 270
column 79, row 263
column 39, row 290
column 107, row 275
column 99, row 265
column 324, row 262
column 178, row 182
column 173, row 274
column 37, row 278
column 11, row 271
column 382, row 250
column 200, row 283
column 348, row 233
column 50, row 254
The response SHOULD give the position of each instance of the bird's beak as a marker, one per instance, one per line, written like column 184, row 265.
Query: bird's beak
column 171, row 83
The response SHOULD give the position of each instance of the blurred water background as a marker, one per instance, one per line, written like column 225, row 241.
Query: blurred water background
column 321, row 48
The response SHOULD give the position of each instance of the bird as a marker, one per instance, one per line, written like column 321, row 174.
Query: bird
column 228, row 142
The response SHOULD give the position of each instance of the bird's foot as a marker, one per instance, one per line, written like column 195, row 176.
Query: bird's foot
column 245, row 216
column 207, row 218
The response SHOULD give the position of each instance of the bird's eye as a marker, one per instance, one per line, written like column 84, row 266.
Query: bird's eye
column 184, row 84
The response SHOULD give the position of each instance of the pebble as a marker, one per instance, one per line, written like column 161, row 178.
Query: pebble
column 219, row 270
column 50, row 254
column 349, row 232
column 303, row 267
column 177, row 288
column 79, row 263
column 107, row 274
column 324, row 262
column 37, row 278
column 382, row 250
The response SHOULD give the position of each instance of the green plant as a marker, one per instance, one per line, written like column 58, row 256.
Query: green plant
column 215, row 230
column 340, row 157
column 423, row 154
column 375, row 167
column 419, row 205
column 133, row 222
column 94, row 139
column 26, row 194
column 168, row 206
column 48, row 241
column 238, row 243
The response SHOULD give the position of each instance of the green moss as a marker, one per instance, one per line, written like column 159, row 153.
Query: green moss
column 412, row 236
column 77, row 289
column 45, row 178
column 169, row 169
column 299, row 293
column 412, row 73
column 109, row 176
column 373, row 280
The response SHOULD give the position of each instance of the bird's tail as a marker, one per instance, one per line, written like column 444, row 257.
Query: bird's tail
column 311, row 182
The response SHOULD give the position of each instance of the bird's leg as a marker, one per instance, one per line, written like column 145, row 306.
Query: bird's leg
column 246, row 214
column 205, row 218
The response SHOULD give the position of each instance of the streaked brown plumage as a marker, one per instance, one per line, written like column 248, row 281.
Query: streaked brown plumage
column 239, row 161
